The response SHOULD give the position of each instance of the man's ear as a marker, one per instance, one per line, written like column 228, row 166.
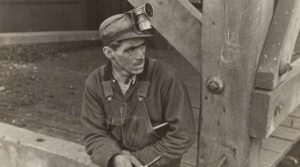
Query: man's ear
column 108, row 52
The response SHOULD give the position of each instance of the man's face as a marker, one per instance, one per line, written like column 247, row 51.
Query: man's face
column 129, row 58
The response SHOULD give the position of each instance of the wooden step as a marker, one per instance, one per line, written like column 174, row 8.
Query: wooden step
column 275, row 148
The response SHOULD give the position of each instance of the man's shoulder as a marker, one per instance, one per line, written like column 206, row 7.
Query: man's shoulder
column 95, row 76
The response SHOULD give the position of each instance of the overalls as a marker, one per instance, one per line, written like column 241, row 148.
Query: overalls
column 129, row 123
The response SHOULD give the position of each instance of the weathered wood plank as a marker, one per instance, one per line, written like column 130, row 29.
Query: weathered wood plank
column 279, row 45
column 270, row 108
column 287, row 133
column 280, row 144
column 288, row 122
column 175, row 14
column 296, row 113
column 291, row 122
column 269, row 158
column 232, row 38
column 277, row 145
column 296, row 123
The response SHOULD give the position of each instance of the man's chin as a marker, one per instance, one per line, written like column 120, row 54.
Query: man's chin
column 138, row 71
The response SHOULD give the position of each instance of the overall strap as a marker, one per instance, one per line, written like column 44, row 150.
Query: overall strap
column 145, row 83
column 106, row 85
column 143, row 89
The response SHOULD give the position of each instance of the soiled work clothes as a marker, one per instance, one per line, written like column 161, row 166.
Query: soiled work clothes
column 114, row 121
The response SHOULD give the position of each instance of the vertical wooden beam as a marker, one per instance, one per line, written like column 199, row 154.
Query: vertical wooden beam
column 233, row 33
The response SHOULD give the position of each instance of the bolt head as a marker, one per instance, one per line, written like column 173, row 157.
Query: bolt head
column 215, row 85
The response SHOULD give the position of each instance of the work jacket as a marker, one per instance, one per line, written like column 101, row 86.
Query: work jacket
column 107, row 115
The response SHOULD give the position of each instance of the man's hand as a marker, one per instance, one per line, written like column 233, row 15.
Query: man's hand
column 126, row 159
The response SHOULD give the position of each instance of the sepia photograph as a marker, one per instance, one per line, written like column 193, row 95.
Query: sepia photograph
column 149, row 83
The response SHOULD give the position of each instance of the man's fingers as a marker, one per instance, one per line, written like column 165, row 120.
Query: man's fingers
column 135, row 162
column 122, row 161
column 128, row 164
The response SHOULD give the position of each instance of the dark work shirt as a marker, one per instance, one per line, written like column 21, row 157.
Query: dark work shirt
column 167, row 101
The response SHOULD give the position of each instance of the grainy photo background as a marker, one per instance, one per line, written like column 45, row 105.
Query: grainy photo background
column 42, row 77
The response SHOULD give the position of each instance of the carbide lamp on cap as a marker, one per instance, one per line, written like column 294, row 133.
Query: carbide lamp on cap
column 140, row 16
column 132, row 24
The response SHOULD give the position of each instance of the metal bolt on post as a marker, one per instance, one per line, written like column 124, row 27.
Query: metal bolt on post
column 215, row 85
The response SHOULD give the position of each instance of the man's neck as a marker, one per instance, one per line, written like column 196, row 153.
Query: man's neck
column 120, row 77
column 124, row 81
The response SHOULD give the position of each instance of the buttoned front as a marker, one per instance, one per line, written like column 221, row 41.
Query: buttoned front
column 166, row 101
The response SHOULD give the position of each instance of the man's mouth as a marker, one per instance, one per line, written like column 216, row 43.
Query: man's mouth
column 139, row 63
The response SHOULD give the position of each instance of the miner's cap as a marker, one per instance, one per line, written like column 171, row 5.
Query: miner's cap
column 120, row 27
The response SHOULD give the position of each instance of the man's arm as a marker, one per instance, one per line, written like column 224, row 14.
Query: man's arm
column 178, row 113
column 98, row 143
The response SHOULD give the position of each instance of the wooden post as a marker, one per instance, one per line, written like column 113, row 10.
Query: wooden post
column 233, row 34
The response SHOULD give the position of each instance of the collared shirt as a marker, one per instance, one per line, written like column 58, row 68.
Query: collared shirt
column 167, row 101
column 124, row 87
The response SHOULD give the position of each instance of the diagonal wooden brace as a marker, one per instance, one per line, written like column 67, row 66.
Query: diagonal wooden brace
column 270, row 107
column 279, row 45
column 180, row 23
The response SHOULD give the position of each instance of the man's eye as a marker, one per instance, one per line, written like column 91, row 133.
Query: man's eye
column 130, row 51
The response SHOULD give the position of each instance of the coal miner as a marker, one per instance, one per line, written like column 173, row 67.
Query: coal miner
column 136, row 111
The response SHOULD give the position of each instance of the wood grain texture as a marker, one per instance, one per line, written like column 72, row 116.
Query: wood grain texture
column 279, row 45
column 296, row 113
column 173, row 19
column 281, row 141
column 293, row 120
column 270, row 108
column 232, row 39
column 277, row 145
column 287, row 133
column 288, row 122
column 269, row 158
column 295, row 123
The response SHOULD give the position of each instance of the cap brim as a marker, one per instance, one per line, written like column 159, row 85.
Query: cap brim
column 133, row 34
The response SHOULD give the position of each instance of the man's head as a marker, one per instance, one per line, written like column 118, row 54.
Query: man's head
column 119, row 27
column 123, row 44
